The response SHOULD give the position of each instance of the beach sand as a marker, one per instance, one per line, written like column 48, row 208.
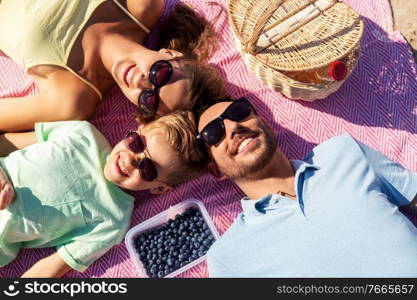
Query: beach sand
column 405, row 19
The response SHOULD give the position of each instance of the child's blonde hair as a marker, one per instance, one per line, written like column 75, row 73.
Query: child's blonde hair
column 180, row 131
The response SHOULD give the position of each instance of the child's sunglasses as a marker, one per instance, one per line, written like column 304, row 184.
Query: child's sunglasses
column 147, row 169
column 159, row 75
column 214, row 131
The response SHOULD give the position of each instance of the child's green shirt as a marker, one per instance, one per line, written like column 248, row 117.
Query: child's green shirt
column 62, row 197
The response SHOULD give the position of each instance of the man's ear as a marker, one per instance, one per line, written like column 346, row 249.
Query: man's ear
column 214, row 171
column 173, row 53
column 162, row 188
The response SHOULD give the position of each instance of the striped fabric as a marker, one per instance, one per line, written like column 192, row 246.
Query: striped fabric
column 377, row 105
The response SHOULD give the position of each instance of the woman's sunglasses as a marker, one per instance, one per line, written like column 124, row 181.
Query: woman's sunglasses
column 159, row 75
column 214, row 131
column 147, row 169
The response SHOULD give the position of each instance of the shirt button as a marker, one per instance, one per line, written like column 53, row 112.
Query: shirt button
column 275, row 201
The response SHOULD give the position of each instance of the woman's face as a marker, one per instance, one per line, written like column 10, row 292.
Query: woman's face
column 131, row 73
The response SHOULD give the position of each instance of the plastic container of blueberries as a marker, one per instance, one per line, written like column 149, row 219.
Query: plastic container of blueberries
column 161, row 219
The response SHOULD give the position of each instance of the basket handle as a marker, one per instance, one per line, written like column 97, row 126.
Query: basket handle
column 250, row 45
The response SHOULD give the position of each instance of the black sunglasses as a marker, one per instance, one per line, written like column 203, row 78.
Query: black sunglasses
column 147, row 169
column 214, row 131
column 159, row 75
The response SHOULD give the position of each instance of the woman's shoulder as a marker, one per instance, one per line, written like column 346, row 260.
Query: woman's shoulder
column 146, row 11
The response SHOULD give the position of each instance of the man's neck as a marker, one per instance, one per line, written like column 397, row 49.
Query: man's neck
column 278, row 175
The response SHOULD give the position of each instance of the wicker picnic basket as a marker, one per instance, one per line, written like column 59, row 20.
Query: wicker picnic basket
column 280, row 37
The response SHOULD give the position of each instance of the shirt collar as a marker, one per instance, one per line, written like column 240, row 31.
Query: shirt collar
column 300, row 166
column 260, row 207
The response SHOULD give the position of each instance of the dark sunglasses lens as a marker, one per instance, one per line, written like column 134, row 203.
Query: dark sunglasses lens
column 148, row 101
column 134, row 143
column 147, row 170
column 160, row 73
column 238, row 111
column 213, row 132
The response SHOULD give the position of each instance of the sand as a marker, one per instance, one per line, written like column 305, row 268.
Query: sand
column 405, row 19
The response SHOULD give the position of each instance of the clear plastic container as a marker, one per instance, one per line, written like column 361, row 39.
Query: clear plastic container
column 159, row 220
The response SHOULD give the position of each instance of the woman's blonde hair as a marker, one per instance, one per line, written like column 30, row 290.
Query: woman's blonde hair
column 180, row 130
column 194, row 36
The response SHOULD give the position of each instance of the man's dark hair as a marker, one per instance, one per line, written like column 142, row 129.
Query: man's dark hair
column 200, row 108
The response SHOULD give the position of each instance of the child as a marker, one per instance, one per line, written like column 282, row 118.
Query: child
column 67, row 186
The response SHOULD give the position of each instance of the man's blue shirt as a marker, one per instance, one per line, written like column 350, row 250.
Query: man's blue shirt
column 345, row 222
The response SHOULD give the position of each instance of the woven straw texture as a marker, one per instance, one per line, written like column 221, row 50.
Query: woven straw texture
column 377, row 105
column 295, row 35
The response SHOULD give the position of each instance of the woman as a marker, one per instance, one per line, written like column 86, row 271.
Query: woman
column 78, row 50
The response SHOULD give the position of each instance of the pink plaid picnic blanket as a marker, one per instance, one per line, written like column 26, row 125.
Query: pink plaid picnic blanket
column 377, row 105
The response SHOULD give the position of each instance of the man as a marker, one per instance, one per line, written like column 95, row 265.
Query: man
column 335, row 214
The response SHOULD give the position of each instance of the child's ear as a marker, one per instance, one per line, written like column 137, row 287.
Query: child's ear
column 162, row 188
column 214, row 171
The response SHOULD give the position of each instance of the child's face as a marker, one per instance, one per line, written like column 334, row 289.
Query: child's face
column 122, row 164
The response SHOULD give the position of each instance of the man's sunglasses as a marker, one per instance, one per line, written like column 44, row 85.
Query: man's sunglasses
column 214, row 131
column 147, row 169
column 159, row 75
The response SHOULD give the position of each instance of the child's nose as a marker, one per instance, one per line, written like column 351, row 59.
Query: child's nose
column 136, row 159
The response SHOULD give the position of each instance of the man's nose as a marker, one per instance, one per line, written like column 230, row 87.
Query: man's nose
column 232, row 128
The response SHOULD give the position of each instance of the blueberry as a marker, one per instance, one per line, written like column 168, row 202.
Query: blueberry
column 161, row 274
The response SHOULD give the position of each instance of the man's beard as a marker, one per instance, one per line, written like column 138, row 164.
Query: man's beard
column 251, row 169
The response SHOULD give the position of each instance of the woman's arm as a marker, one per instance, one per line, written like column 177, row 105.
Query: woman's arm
column 148, row 12
column 62, row 97
column 48, row 267
column 10, row 142
column 20, row 114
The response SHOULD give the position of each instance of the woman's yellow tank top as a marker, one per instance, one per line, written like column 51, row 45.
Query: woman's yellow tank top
column 42, row 32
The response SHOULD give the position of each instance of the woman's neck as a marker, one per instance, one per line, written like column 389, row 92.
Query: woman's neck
column 118, row 40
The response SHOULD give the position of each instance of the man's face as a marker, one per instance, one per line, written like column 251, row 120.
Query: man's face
column 246, row 148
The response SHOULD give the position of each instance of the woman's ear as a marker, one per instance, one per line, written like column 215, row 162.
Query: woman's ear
column 162, row 188
column 173, row 53
column 214, row 171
